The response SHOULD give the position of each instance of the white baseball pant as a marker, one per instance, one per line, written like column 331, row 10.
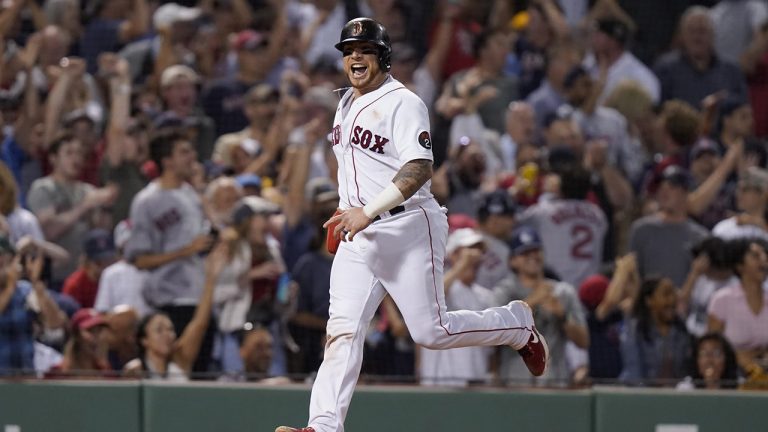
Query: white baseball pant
column 401, row 255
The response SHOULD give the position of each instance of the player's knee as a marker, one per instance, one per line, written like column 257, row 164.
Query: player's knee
column 427, row 337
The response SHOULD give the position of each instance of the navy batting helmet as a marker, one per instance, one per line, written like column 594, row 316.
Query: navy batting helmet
column 368, row 30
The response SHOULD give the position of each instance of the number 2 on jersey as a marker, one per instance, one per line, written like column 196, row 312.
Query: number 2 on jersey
column 582, row 236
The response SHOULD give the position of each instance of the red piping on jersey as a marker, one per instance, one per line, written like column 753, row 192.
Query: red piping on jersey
column 437, row 301
column 349, row 140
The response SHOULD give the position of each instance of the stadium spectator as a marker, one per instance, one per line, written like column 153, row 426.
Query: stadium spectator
column 546, row 26
column 175, row 27
column 111, row 25
column 98, row 253
column 559, row 314
column 307, row 205
column 694, row 71
column 161, row 354
column 610, row 37
column 572, row 228
column 600, row 122
column 23, row 300
column 714, row 365
column 122, row 323
column 460, row 367
column 85, row 354
column 487, row 76
column 311, row 273
column 63, row 205
column 256, row 353
column 178, row 90
column 753, row 63
column 495, row 220
column 457, row 183
column 257, row 62
column 221, row 197
column 169, row 234
column 319, row 107
column 126, row 140
column 710, row 272
column 232, row 295
column 607, row 303
column 740, row 311
column 736, row 23
column 662, row 240
column 655, row 347
column 519, row 138
column 752, row 202
column 562, row 57
column 633, row 102
column 122, row 284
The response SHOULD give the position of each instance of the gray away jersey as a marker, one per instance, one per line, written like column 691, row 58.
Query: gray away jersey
column 163, row 221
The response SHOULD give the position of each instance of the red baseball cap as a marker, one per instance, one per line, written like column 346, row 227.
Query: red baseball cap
column 87, row 318
column 249, row 40
column 592, row 290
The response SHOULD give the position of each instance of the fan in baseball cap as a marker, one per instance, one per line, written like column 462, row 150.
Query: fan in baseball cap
column 171, row 13
column 86, row 319
column 250, row 40
column 321, row 189
column 676, row 176
column 524, row 239
column 99, row 246
column 498, row 202
column 614, row 28
column 463, row 237
column 592, row 290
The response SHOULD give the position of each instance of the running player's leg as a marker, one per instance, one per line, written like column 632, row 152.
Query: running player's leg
column 355, row 296
column 413, row 276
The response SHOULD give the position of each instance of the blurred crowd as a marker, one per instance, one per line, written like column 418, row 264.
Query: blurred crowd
column 165, row 171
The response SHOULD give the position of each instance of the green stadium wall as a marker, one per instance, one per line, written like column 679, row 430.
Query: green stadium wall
column 47, row 406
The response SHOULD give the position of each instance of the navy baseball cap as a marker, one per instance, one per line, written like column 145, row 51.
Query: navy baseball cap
column 99, row 245
column 676, row 176
column 498, row 202
column 246, row 180
column 524, row 239
column 704, row 146
column 614, row 28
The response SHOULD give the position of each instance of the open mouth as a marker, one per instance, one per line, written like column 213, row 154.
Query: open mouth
column 358, row 70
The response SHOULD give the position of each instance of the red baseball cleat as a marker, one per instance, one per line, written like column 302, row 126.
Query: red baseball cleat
column 290, row 429
column 535, row 353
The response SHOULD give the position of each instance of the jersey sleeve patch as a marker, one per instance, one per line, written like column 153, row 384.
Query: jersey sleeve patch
column 425, row 140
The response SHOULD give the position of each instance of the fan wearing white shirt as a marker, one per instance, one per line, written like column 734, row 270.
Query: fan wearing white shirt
column 609, row 40
column 751, row 200
column 121, row 283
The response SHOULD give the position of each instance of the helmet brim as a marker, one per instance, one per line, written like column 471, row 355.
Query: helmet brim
column 340, row 46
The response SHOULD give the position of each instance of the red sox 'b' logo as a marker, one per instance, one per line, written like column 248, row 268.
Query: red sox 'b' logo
column 368, row 140
column 357, row 28
column 336, row 134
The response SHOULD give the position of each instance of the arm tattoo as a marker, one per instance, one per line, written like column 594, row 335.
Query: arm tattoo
column 412, row 176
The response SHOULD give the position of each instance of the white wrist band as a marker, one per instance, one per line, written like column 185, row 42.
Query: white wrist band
column 389, row 198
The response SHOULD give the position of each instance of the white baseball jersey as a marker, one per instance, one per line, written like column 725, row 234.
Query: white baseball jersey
column 373, row 136
column 572, row 233
column 401, row 255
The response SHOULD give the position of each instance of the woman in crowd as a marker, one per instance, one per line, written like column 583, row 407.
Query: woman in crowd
column 655, row 345
column 161, row 354
column 714, row 365
column 85, row 354
column 740, row 311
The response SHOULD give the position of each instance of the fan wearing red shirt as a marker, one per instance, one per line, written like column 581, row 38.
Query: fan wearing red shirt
column 99, row 252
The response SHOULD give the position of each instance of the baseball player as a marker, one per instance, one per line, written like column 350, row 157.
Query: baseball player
column 392, row 233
